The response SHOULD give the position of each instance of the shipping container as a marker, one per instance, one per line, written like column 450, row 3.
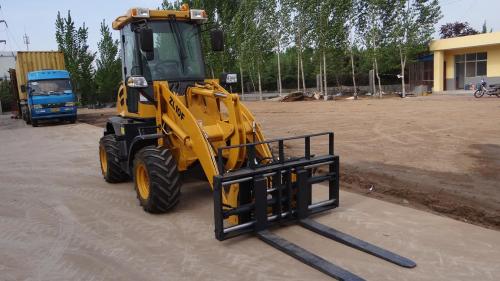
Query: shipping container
column 32, row 61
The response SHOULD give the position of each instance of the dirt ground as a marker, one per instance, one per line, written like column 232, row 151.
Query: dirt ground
column 59, row 220
column 436, row 153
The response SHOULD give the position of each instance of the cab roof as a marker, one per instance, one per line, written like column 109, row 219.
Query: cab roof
column 143, row 13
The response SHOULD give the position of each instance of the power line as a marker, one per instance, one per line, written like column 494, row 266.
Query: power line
column 10, row 36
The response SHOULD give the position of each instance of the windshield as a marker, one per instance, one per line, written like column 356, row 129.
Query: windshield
column 177, row 53
column 47, row 87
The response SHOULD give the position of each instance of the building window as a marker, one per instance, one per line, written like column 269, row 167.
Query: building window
column 475, row 63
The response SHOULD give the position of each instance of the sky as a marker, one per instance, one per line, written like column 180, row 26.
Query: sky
column 36, row 18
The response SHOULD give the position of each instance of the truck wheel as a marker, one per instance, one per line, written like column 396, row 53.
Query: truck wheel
column 34, row 123
column 72, row 120
column 109, row 152
column 156, row 179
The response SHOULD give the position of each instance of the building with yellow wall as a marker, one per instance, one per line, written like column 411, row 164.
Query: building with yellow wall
column 461, row 62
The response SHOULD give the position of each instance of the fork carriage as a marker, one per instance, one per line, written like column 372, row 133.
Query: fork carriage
column 278, row 191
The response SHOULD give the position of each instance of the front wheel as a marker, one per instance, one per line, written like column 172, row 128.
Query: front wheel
column 109, row 153
column 478, row 93
column 157, row 180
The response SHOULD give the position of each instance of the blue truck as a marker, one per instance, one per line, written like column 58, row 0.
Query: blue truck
column 44, row 88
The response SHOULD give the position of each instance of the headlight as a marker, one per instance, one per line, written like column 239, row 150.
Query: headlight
column 139, row 12
column 37, row 106
column 137, row 82
column 70, row 103
column 199, row 15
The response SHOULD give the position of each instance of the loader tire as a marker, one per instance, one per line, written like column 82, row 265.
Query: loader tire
column 157, row 180
column 110, row 163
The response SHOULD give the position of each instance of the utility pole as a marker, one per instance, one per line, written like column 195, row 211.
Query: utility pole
column 26, row 40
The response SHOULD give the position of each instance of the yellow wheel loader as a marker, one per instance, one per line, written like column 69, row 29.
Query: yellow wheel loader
column 171, row 120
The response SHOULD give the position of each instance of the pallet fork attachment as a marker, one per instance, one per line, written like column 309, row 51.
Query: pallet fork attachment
column 278, row 191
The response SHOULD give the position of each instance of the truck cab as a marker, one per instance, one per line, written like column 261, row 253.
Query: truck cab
column 50, row 96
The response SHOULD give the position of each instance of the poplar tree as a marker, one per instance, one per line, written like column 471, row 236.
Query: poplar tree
column 108, row 74
column 78, row 58
column 413, row 28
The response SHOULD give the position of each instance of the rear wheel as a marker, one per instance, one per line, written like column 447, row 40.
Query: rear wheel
column 157, row 180
column 478, row 93
column 109, row 153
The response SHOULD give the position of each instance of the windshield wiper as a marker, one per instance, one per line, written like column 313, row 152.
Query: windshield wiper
column 178, row 41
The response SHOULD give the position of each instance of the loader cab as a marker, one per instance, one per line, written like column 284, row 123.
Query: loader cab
column 158, row 46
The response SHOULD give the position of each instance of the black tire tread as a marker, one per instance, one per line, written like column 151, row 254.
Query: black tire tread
column 164, row 179
column 115, row 174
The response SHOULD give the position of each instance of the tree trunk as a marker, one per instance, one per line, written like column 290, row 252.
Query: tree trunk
column 260, row 85
column 298, row 72
column 279, row 71
column 302, row 71
column 320, row 80
column 251, row 79
column 324, row 75
column 378, row 78
column 353, row 74
column 242, row 84
column 403, row 65
column 212, row 70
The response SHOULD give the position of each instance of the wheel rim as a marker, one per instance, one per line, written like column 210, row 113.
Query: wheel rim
column 103, row 156
column 142, row 181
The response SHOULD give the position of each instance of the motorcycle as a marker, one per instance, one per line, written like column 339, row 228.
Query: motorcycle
column 483, row 89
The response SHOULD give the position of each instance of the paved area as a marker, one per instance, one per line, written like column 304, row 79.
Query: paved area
column 60, row 221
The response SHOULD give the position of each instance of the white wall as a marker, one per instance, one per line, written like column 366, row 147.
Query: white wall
column 7, row 60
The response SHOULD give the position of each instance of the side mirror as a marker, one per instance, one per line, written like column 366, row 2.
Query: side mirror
column 146, row 36
column 217, row 38
column 23, row 88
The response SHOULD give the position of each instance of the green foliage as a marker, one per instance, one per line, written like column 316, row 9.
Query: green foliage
column 257, row 31
column 5, row 95
column 72, row 42
column 456, row 29
column 108, row 73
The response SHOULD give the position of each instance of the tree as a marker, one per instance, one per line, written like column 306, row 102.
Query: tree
column 77, row 56
column 108, row 73
column 281, row 21
column 456, row 29
column 373, row 19
column 6, row 98
column 413, row 28
column 352, row 40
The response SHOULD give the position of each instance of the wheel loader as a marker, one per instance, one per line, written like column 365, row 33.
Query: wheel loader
column 171, row 120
